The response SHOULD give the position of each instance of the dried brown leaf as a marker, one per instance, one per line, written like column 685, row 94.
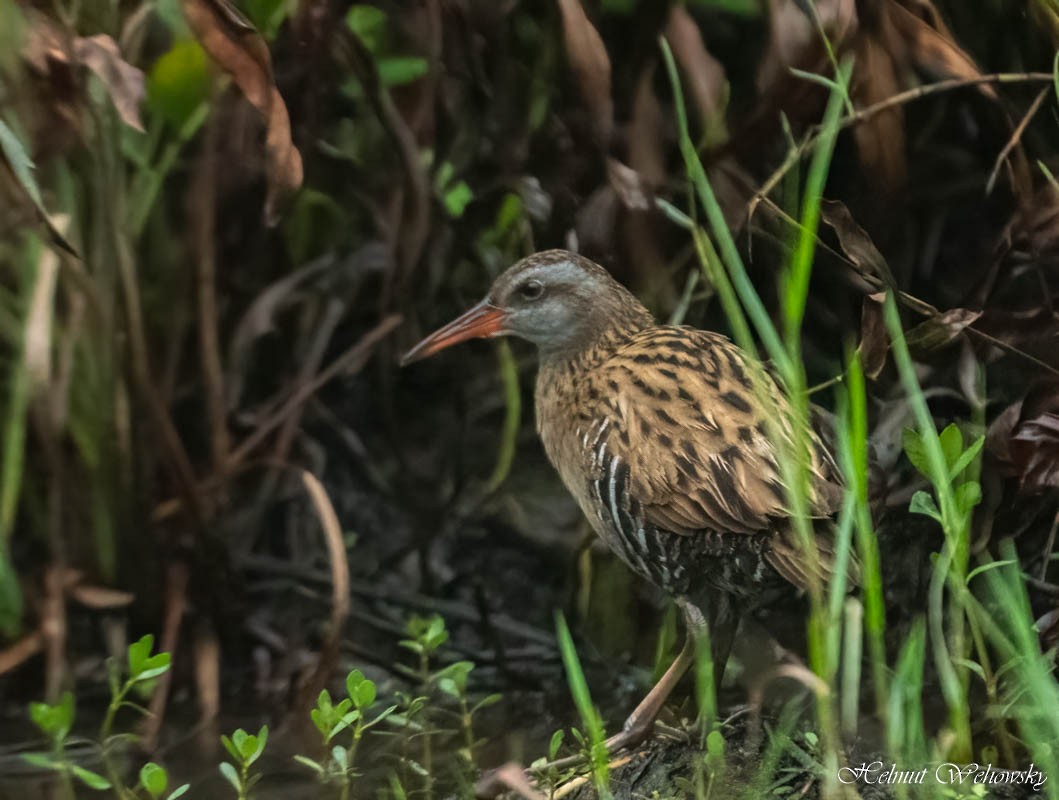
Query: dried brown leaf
column 591, row 67
column 1034, row 444
column 856, row 244
column 998, row 436
column 704, row 74
column 240, row 51
column 123, row 82
column 645, row 132
column 874, row 340
column 1035, row 227
column 794, row 39
column 931, row 46
column 38, row 332
column 1030, row 326
column 632, row 189
column 100, row 597
column 44, row 42
column 512, row 776
column 880, row 138
column 940, row 331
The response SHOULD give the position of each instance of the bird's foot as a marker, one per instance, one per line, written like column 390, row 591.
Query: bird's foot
column 513, row 777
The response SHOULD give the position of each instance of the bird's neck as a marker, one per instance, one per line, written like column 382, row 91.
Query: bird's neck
column 610, row 325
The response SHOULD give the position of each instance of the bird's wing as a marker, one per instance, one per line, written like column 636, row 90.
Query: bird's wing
column 700, row 443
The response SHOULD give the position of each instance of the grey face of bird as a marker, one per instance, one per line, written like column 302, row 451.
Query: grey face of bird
column 553, row 303
column 557, row 300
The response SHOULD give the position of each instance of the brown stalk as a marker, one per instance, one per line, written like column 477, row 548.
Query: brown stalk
column 176, row 603
column 324, row 328
column 172, row 445
column 902, row 98
column 204, row 202
column 349, row 362
column 21, row 651
column 336, row 552
column 53, row 632
column 406, row 241
column 1016, row 137
column 909, row 301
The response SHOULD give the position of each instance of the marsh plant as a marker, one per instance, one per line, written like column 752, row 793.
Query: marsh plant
column 245, row 750
column 135, row 678
column 348, row 719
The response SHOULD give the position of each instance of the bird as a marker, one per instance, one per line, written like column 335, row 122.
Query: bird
column 669, row 438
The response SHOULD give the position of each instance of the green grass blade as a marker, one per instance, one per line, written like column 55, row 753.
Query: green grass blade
column 512, row 415
column 590, row 718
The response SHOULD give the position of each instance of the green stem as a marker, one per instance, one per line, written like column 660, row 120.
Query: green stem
column 512, row 416
column 351, row 763
column 428, row 749
column 105, row 731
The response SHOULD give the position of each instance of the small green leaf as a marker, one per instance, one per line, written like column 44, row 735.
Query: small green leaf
column 90, row 779
column 369, row 24
column 417, row 768
column 341, row 724
column 968, row 495
column 456, row 199
column 259, row 742
column 916, row 451
column 340, row 756
column 153, row 667
column 179, row 82
column 353, row 680
column 230, row 746
column 384, row 715
column 399, row 70
column 923, row 503
column 951, row 444
column 452, row 680
column 43, row 761
column 138, row 653
column 966, row 457
column 228, row 771
column 555, row 744
column 153, row 778
column 361, row 690
column 986, row 567
column 308, row 762
column 485, row 702
column 180, row 791
column 364, row 695
column 973, row 666
column 56, row 720
column 323, row 700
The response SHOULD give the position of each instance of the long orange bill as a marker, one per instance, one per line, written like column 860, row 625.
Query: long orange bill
column 481, row 322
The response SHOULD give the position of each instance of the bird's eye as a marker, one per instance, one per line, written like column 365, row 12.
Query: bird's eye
column 531, row 290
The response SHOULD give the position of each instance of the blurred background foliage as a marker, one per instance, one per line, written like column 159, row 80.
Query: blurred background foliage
column 221, row 224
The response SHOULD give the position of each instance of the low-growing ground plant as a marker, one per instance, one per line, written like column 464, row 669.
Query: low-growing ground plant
column 137, row 677
column 245, row 749
column 352, row 716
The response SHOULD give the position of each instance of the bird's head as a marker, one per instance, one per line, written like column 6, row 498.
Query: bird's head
column 560, row 301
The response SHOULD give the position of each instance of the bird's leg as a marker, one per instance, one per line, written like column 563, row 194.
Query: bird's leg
column 724, row 624
column 639, row 723
column 722, row 629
